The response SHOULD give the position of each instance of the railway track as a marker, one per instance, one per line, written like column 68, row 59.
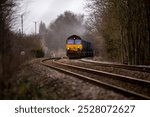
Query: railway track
column 122, row 66
column 110, row 69
column 127, row 85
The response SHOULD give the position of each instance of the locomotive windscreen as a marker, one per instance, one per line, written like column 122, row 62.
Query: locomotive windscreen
column 70, row 41
column 77, row 41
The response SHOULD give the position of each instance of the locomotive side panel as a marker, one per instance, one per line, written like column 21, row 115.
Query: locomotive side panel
column 88, row 48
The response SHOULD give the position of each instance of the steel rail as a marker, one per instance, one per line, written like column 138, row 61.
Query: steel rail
column 129, row 67
column 97, row 81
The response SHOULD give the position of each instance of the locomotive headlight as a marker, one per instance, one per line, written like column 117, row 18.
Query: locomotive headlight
column 78, row 48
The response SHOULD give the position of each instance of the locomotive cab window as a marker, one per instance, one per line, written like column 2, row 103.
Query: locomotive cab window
column 70, row 41
column 77, row 41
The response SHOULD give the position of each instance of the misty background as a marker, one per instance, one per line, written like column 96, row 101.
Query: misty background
column 55, row 21
column 54, row 36
column 46, row 11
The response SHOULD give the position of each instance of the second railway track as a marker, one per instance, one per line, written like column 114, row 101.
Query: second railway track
column 110, row 69
column 122, row 66
column 129, row 85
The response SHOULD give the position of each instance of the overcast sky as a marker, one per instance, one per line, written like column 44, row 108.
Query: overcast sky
column 46, row 11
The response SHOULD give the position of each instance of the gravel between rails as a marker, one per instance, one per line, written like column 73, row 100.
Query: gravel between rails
column 61, row 86
column 136, row 74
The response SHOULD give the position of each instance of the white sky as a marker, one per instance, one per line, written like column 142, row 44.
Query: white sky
column 46, row 11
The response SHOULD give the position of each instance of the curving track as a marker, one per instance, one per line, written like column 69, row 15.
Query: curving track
column 127, row 85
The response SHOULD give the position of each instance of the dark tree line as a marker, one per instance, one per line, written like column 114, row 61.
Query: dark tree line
column 6, row 12
column 15, row 48
column 125, row 27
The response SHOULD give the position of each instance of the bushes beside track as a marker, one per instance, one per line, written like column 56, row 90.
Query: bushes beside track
column 38, row 53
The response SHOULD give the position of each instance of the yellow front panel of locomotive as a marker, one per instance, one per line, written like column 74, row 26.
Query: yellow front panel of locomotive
column 74, row 47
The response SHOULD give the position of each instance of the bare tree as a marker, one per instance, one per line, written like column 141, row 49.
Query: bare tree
column 124, row 25
column 6, row 11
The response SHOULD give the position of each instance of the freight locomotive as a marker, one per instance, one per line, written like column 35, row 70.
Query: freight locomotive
column 78, row 48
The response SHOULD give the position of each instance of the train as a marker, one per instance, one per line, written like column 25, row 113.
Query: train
column 78, row 48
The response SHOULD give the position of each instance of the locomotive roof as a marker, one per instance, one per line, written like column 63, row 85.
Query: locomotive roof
column 77, row 37
column 74, row 36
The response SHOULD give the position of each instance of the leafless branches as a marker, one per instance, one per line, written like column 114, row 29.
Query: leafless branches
column 124, row 25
